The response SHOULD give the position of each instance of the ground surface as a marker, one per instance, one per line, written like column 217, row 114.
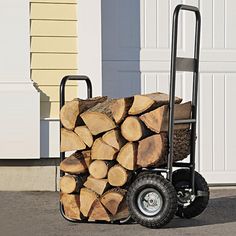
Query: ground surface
column 36, row 213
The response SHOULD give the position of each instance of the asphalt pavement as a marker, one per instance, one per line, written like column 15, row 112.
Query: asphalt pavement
column 36, row 213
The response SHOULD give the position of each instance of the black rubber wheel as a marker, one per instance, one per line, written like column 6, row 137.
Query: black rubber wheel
column 152, row 200
column 181, row 181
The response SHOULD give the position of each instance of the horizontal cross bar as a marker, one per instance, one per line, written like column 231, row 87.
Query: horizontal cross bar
column 184, row 121
column 185, row 64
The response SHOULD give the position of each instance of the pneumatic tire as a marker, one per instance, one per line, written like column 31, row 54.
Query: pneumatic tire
column 152, row 200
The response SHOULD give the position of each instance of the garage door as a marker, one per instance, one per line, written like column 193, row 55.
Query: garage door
column 135, row 57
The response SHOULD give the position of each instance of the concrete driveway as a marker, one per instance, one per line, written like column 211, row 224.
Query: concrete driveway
column 36, row 213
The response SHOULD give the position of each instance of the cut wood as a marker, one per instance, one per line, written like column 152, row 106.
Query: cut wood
column 99, row 118
column 120, row 108
column 117, row 175
column 133, row 129
column 114, row 139
column 72, row 184
column 122, row 213
column 157, row 120
column 153, row 150
column 98, row 212
column 75, row 164
column 112, row 199
column 127, row 157
column 72, row 109
column 143, row 103
column 85, row 135
column 71, row 205
column 102, row 151
column 98, row 169
column 87, row 198
column 70, row 141
column 97, row 185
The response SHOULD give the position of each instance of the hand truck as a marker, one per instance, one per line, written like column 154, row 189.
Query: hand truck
column 153, row 199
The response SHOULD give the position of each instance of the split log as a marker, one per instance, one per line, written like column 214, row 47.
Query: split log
column 85, row 135
column 153, row 150
column 120, row 108
column 87, row 198
column 122, row 213
column 147, row 102
column 71, row 110
column 127, row 157
column 70, row 141
column 133, row 129
column 87, row 157
column 97, row 185
column 71, row 205
column 157, row 120
column 102, row 151
column 98, row 212
column 114, row 139
column 75, row 164
column 71, row 183
column 98, row 169
column 117, row 176
column 112, row 199
column 99, row 118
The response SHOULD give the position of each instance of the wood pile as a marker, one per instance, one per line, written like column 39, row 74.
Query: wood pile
column 112, row 138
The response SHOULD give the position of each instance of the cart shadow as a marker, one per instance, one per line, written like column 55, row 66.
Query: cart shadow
column 219, row 211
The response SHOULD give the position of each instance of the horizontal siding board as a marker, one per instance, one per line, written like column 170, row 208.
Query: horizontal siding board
column 52, row 77
column 55, row 1
column 54, row 44
column 44, row 11
column 51, row 93
column 53, row 61
column 53, row 28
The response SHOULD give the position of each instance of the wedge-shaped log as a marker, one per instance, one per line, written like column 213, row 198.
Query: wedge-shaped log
column 153, row 150
column 157, row 120
column 97, row 185
column 72, row 183
column 102, row 151
column 99, row 118
column 147, row 102
column 72, row 109
column 98, row 212
column 112, row 199
column 85, row 135
column 133, row 129
column 98, row 169
column 117, row 176
column 76, row 163
column 114, row 139
column 122, row 213
column 127, row 157
column 120, row 108
column 70, row 141
column 87, row 198
column 71, row 205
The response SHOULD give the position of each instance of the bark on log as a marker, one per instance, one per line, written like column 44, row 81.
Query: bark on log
column 99, row 186
column 114, row 139
column 146, row 102
column 87, row 198
column 98, row 169
column 70, row 141
column 120, row 108
column 85, row 135
column 117, row 176
column 72, row 109
column 133, row 129
column 99, row 118
column 127, row 157
column 71, row 205
column 71, row 183
column 157, row 120
column 102, row 151
column 153, row 150
column 98, row 212
column 76, row 163
column 112, row 199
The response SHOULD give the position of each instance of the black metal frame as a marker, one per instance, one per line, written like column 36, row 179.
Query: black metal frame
column 177, row 64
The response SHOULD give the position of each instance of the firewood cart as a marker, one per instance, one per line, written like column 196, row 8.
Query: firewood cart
column 155, row 195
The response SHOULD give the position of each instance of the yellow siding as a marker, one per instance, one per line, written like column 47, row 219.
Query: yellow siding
column 53, row 50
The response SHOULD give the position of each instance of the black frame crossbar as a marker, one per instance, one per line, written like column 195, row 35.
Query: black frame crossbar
column 189, row 65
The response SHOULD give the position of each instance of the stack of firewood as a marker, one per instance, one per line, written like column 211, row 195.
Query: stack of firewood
column 111, row 138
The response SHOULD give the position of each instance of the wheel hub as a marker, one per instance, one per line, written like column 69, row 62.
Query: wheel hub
column 185, row 197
